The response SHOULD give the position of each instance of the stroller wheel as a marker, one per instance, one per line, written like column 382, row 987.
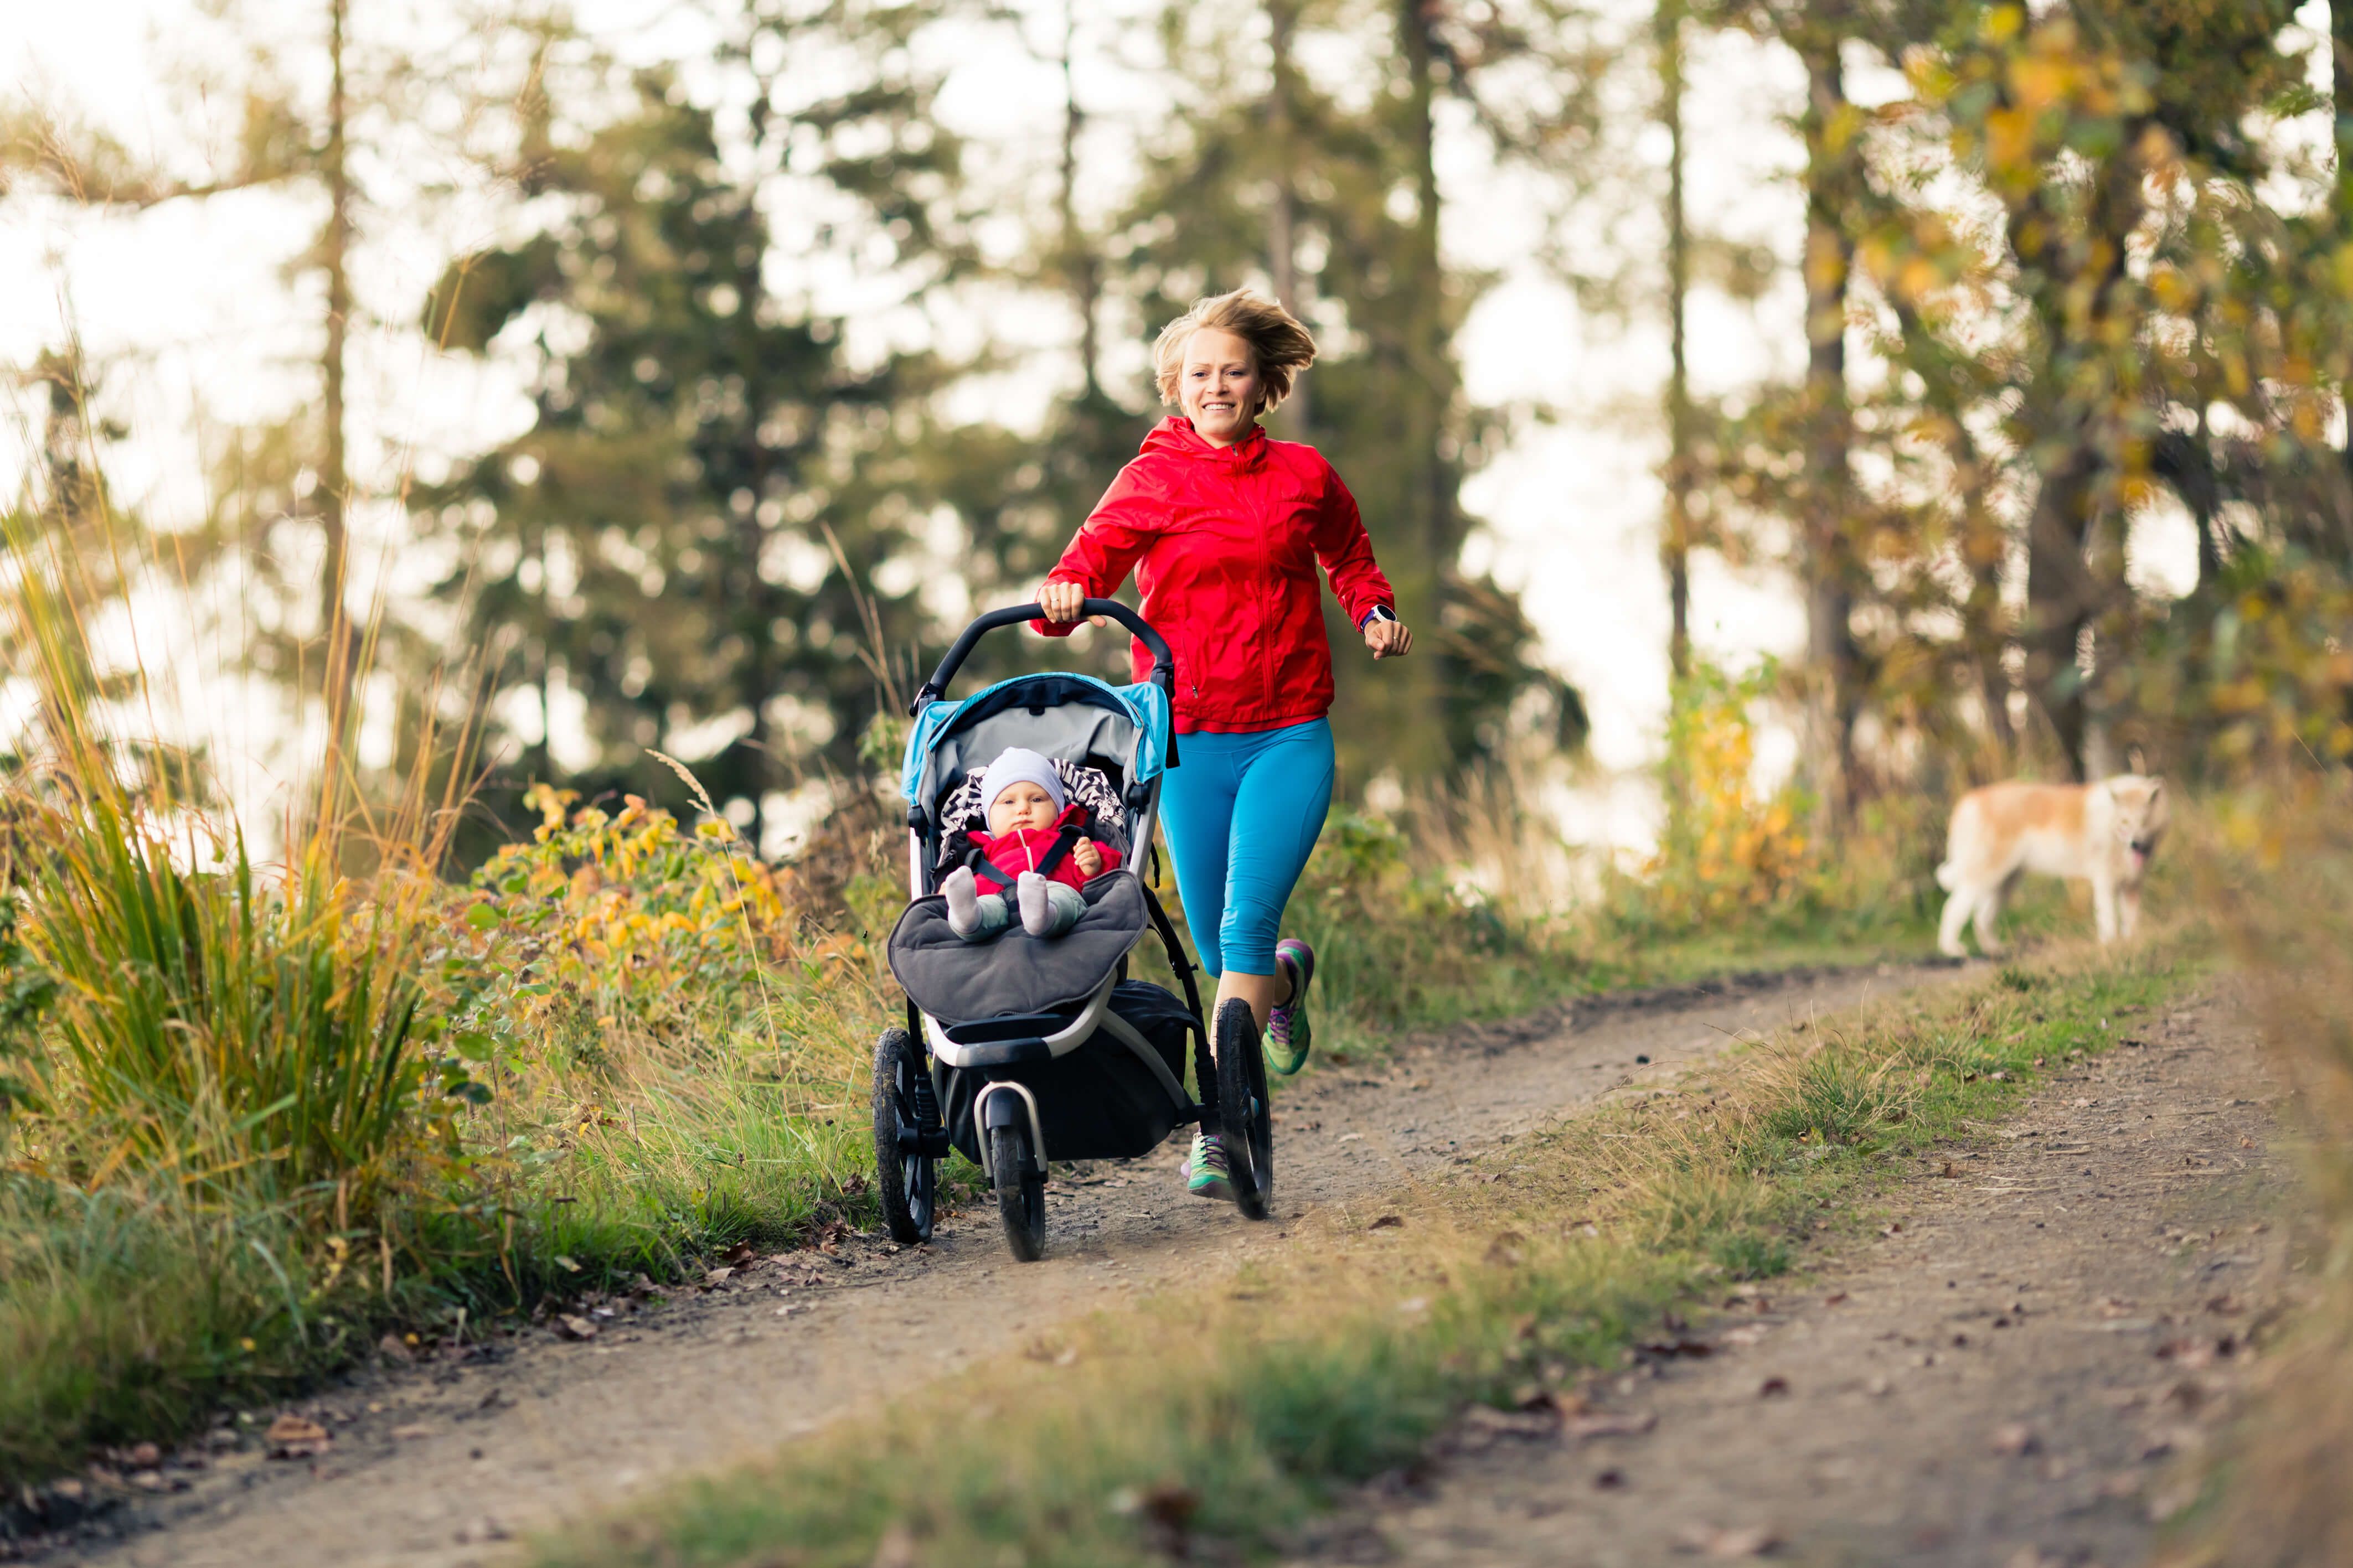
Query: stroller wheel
column 1245, row 1119
column 906, row 1111
column 1020, row 1192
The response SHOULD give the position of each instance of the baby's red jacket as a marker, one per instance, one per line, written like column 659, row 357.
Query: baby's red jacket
column 1022, row 850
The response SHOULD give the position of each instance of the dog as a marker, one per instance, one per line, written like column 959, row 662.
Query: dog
column 2103, row 833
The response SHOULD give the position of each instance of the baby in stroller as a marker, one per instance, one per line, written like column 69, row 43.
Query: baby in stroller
column 1035, row 847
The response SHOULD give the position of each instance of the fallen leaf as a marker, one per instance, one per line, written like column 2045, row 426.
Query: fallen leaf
column 1622, row 1423
column 1511, row 1423
column 1834, row 1299
column 1610, row 1480
column 1727, row 1545
column 571, row 1326
column 2016, row 1438
column 1773, row 1387
column 392, row 1347
column 1695, row 1348
column 292, row 1436
column 1388, row 1222
column 143, row 1456
column 411, row 1431
column 717, row 1277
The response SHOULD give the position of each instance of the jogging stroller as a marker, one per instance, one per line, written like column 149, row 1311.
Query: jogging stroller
column 1018, row 1050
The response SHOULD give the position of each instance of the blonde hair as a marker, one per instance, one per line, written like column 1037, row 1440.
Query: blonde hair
column 1279, row 345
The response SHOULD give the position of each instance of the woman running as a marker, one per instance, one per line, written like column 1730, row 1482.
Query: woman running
column 1224, row 528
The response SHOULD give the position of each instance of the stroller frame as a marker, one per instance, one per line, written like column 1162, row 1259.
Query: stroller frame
column 914, row 1066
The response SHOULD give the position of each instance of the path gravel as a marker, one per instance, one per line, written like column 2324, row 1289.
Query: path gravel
column 433, row 1467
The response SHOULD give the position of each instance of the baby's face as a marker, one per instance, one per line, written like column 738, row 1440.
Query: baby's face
column 1020, row 806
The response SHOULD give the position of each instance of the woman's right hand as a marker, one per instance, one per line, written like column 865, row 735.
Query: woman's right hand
column 1062, row 602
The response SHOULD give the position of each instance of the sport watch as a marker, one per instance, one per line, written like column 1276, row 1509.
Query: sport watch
column 1378, row 613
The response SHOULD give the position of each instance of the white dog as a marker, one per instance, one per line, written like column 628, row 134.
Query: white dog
column 2102, row 832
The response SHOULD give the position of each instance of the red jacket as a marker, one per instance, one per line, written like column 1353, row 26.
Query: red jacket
column 1024, row 848
column 1224, row 544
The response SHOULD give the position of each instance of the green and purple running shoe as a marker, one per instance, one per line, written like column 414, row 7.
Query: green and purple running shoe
column 1288, row 1034
column 1207, row 1174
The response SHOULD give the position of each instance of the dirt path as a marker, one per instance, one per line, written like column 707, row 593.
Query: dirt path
column 431, row 1466
column 2001, row 1380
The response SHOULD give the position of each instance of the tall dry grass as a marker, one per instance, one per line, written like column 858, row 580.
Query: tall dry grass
column 2276, row 862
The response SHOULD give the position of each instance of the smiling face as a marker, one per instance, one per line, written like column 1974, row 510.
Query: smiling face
column 1219, row 386
column 1020, row 806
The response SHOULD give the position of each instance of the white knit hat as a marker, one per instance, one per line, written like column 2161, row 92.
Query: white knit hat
column 1018, row 764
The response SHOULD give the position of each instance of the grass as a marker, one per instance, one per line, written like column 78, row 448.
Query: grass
column 1218, row 1422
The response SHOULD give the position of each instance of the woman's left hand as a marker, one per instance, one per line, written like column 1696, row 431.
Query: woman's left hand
column 1388, row 639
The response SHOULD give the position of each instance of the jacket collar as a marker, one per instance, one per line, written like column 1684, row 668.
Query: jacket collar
column 1176, row 437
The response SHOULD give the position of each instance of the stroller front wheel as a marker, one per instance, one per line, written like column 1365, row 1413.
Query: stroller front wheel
column 906, row 1116
column 1020, row 1192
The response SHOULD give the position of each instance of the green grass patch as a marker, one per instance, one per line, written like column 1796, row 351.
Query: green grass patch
column 1227, row 1417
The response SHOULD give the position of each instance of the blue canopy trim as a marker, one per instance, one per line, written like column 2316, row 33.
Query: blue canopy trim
column 1144, row 703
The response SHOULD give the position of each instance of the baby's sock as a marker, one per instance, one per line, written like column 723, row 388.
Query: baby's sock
column 964, row 901
column 1037, row 908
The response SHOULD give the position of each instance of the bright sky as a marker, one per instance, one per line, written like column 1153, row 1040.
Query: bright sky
column 188, row 309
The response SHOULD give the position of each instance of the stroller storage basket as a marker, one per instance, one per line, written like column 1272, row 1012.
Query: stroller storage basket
column 1101, row 1103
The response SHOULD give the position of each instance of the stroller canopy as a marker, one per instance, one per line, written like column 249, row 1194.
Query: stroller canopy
column 1075, row 718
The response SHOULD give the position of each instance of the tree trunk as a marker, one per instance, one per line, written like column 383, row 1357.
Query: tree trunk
column 1282, row 219
column 2340, row 81
column 1081, row 269
column 2064, row 593
column 334, row 483
column 1425, row 303
column 2059, row 600
column 1830, row 573
column 1675, row 549
column 1427, row 396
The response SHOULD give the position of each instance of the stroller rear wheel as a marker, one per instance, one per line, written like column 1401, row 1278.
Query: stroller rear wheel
column 906, row 1118
column 1245, row 1119
column 1020, row 1192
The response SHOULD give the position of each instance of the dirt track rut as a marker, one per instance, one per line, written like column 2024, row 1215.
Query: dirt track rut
column 432, row 1467
column 2017, row 1373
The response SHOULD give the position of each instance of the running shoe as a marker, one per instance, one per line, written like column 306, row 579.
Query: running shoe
column 1206, row 1174
column 1288, row 1033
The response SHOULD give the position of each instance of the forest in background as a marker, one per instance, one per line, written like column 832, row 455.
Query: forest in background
column 2063, row 271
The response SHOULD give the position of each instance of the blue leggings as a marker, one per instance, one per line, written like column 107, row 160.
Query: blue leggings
column 1242, row 812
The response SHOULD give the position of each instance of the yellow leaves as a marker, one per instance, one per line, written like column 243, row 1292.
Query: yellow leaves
column 715, row 830
column 2009, row 140
column 551, row 804
column 2040, row 81
column 2172, row 287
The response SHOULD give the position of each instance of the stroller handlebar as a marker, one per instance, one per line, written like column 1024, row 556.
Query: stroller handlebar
column 1164, row 663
